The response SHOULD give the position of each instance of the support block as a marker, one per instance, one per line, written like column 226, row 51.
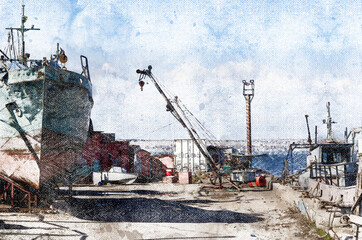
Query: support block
column 184, row 177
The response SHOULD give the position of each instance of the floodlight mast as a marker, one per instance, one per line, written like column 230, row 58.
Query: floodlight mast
column 248, row 92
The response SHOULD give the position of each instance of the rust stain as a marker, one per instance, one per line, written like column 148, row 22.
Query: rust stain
column 40, row 74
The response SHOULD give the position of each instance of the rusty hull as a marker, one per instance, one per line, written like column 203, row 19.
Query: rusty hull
column 44, row 131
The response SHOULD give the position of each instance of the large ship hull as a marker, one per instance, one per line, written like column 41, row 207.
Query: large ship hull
column 44, row 121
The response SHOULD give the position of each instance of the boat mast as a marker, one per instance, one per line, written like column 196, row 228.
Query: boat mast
column 23, row 19
column 22, row 30
column 329, row 123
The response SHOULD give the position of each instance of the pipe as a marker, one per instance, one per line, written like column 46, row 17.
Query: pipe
column 309, row 139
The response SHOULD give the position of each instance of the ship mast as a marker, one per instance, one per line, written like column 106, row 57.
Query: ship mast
column 23, row 19
column 22, row 30
column 329, row 123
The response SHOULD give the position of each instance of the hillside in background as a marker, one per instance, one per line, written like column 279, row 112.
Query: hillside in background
column 275, row 151
column 260, row 146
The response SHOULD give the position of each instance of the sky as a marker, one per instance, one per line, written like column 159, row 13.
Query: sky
column 301, row 55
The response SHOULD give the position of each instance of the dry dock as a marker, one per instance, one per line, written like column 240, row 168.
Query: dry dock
column 161, row 211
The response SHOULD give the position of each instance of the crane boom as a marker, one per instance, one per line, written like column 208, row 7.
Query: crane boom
column 184, row 122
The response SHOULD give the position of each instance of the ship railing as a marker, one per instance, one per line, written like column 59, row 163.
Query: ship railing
column 289, row 162
column 15, row 64
column 337, row 174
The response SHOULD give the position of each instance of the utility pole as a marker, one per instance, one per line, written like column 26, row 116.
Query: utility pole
column 248, row 92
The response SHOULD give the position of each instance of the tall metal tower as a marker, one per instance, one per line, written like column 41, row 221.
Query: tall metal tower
column 248, row 92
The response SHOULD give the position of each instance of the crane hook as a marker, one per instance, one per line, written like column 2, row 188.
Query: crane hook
column 141, row 83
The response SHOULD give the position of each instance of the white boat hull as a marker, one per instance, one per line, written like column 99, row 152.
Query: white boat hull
column 114, row 177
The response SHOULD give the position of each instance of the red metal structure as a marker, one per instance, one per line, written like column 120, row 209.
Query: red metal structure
column 16, row 196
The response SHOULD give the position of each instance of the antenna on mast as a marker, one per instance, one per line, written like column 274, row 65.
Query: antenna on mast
column 329, row 123
column 22, row 30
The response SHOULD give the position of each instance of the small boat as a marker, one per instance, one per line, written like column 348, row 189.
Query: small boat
column 114, row 175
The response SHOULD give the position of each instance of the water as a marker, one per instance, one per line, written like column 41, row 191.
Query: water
column 273, row 162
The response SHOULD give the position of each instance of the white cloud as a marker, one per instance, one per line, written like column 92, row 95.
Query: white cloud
column 215, row 97
column 300, row 56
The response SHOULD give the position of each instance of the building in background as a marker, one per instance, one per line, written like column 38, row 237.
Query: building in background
column 102, row 152
column 166, row 159
column 149, row 168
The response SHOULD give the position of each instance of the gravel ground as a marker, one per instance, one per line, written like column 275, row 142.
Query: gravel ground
column 160, row 211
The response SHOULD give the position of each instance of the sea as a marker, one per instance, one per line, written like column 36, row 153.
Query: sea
column 273, row 162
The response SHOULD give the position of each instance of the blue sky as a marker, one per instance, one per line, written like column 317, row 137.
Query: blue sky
column 301, row 55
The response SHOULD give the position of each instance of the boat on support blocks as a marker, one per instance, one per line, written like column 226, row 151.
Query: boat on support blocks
column 44, row 114
column 331, row 169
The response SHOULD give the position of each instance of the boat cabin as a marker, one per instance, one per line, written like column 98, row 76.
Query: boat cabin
column 331, row 154
column 333, row 164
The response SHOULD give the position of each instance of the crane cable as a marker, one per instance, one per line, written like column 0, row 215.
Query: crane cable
column 209, row 134
column 156, row 129
column 205, row 132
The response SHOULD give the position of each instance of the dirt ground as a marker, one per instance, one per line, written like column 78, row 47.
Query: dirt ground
column 160, row 211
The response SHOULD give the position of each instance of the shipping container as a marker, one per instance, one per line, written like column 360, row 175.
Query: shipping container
column 188, row 157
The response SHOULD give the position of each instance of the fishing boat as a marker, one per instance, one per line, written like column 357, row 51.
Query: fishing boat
column 44, row 113
column 331, row 170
